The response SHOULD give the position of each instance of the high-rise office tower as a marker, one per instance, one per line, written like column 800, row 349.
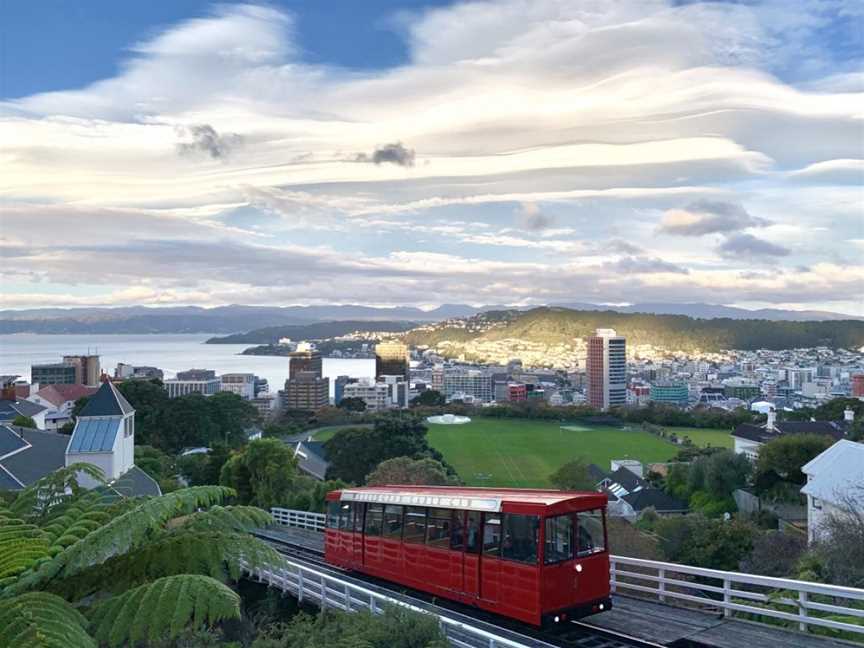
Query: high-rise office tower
column 87, row 369
column 391, row 359
column 606, row 369
column 305, row 359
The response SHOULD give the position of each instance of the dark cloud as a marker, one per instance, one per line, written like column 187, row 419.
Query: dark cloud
column 393, row 153
column 205, row 140
column 708, row 217
column 529, row 216
column 645, row 265
column 747, row 246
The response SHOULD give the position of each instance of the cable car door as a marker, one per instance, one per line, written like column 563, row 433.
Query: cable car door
column 471, row 562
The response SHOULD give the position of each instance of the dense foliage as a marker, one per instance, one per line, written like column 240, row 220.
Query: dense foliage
column 80, row 568
column 405, row 470
column 172, row 424
column 355, row 452
column 561, row 326
column 573, row 476
column 778, row 468
column 697, row 540
column 262, row 473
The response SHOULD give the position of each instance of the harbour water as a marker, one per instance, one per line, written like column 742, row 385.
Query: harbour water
column 171, row 353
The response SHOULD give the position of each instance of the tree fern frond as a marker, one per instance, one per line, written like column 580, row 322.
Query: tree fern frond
column 162, row 609
column 21, row 546
column 41, row 620
column 228, row 518
column 42, row 496
column 212, row 553
column 121, row 534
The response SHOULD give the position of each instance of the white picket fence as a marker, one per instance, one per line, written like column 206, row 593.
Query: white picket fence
column 725, row 592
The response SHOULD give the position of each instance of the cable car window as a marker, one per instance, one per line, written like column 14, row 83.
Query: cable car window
column 473, row 532
column 438, row 528
column 332, row 515
column 492, row 535
column 559, row 539
column 589, row 532
column 345, row 513
column 393, row 522
column 359, row 509
column 374, row 519
column 520, row 538
column 415, row 525
column 457, row 531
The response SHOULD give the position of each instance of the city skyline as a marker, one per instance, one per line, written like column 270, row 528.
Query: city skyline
column 526, row 153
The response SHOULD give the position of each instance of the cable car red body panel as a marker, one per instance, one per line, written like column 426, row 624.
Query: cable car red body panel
column 533, row 555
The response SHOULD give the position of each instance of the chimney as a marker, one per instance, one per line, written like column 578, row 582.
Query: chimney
column 772, row 419
column 848, row 415
column 8, row 392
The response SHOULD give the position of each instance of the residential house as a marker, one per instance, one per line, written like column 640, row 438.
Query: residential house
column 749, row 438
column 835, row 484
column 59, row 400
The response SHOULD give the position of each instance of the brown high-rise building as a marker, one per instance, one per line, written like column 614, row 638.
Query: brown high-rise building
column 391, row 359
column 87, row 369
column 307, row 391
column 606, row 370
column 858, row 386
column 305, row 359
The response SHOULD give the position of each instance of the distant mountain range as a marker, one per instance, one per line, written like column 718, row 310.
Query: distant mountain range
column 556, row 325
column 237, row 318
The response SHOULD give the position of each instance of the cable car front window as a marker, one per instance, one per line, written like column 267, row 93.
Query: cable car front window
column 332, row 515
column 559, row 539
column 589, row 532
column 345, row 516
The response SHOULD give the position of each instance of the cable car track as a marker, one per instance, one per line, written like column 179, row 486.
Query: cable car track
column 576, row 634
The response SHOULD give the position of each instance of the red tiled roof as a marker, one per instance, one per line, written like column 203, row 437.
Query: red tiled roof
column 59, row 394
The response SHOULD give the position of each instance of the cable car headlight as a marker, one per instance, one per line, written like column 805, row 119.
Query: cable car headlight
column 578, row 568
column 602, row 606
column 557, row 619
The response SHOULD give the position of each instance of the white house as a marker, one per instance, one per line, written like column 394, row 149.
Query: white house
column 835, row 481
column 59, row 401
column 104, row 436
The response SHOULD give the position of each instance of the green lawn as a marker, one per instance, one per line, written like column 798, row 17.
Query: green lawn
column 523, row 453
column 705, row 437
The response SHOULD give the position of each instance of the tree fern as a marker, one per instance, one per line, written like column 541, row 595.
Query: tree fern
column 128, row 531
column 76, row 519
column 213, row 553
column 41, row 620
column 162, row 609
column 21, row 546
column 229, row 518
column 38, row 499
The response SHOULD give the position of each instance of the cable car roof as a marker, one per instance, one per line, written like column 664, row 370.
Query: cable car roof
column 472, row 499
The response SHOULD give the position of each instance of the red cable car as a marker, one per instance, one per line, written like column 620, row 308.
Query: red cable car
column 535, row 555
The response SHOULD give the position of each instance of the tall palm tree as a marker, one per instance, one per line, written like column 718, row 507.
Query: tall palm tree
column 79, row 568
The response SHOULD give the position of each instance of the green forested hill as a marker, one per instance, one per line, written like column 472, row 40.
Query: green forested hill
column 557, row 325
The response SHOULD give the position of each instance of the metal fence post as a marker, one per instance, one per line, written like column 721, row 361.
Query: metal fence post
column 612, row 575
column 661, row 573
column 802, row 610
column 299, row 585
column 727, row 597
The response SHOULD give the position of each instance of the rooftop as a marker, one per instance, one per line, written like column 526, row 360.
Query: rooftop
column 107, row 401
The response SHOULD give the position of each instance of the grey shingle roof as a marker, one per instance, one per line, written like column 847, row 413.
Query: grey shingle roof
column 47, row 453
column 660, row 500
column 7, row 481
column 107, row 401
column 9, row 409
column 309, row 460
column 136, row 483
column 10, row 441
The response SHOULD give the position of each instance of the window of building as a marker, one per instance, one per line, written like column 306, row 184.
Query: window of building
column 590, row 537
column 817, row 504
column 393, row 522
column 415, row 525
column 374, row 519
column 559, row 539
column 438, row 527
column 520, row 538
column 492, row 535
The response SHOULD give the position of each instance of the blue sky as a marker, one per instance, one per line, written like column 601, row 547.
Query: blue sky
column 497, row 151
column 60, row 44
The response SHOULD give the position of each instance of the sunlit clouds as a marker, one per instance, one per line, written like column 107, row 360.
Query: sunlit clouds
column 528, row 152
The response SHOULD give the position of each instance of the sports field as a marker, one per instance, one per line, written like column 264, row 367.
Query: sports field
column 523, row 453
column 705, row 437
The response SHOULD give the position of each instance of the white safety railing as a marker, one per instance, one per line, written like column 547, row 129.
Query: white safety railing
column 800, row 602
column 327, row 591
column 299, row 519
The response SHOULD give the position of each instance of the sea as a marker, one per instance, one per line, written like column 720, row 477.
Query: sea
column 170, row 353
